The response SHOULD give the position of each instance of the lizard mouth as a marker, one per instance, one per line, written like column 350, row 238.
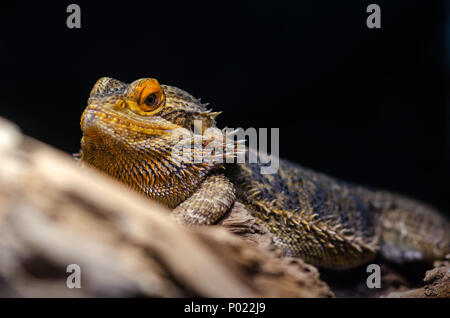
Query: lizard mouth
column 97, row 121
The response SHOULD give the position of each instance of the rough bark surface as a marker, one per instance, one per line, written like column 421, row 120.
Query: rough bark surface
column 437, row 284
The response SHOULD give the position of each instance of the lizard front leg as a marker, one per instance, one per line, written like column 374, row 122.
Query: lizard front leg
column 208, row 203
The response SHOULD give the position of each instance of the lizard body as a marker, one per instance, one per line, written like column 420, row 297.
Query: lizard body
column 128, row 133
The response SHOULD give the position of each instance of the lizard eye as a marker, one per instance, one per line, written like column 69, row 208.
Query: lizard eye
column 151, row 97
column 151, row 100
column 151, row 103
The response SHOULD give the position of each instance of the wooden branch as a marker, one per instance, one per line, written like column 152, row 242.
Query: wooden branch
column 54, row 213
column 437, row 284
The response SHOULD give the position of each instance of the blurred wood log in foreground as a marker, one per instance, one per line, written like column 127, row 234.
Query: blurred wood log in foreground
column 54, row 213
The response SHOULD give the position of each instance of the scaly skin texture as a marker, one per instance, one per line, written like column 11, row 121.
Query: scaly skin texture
column 128, row 132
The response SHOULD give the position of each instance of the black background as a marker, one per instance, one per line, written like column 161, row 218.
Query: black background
column 365, row 105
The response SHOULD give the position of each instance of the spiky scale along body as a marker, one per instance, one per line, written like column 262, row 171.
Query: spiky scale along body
column 128, row 132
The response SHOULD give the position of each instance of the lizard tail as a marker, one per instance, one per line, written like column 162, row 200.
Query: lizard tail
column 411, row 231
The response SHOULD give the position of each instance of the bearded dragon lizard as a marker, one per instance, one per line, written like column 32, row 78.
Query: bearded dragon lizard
column 128, row 133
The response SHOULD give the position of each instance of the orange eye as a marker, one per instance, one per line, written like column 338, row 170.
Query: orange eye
column 151, row 97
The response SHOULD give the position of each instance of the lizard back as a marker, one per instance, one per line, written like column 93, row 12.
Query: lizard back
column 337, row 224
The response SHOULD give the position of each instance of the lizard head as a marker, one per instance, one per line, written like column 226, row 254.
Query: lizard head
column 145, row 108
column 128, row 132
